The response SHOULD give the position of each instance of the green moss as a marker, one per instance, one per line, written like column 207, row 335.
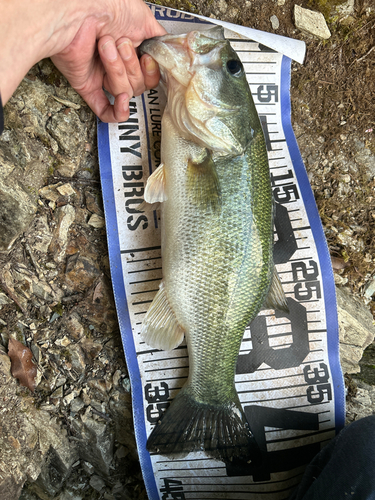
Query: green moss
column 325, row 7
column 58, row 309
column 67, row 355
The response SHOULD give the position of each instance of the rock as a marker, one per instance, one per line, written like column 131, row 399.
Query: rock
column 370, row 290
column 88, row 468
column 274, row 22
column 69, row 495
column 74, row 326
column 4, row 300
column 345, row 8
column 17, row 211
column 365, row 158
column 362, row 404
column 223, row 6
column 55, row 471
column 76, row 405
column 50, row 192
column 28, row 437
column 77, row 358
column 36, row 103
column 122, row 417
column 116, row 377
column 68, row 104
column 356, row 329
column 39, row 235
column 348, row 239
column 311, row 22
column 97, row 483
column 91, row 347
column 97, row 441
column 81, row 272
column 66, row 190
column 63, row 341
column 67, row 167
column 65, row 218
column 98, row 309
column 45, row 291
column 96, row 221
column 70, row 397
column 69, row 132
column 92, row 203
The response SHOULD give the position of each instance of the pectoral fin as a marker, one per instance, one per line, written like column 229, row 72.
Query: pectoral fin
column 202, row 181
column 155, row 190
column 160, row 328
column 276, row 297
column 155, row 187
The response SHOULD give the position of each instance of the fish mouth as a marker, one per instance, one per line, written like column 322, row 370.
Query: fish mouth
column 170, row 52
column 179, row 54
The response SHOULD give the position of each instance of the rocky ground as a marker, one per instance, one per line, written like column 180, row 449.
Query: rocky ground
column 72, row 438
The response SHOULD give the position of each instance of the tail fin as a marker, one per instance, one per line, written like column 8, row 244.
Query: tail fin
column 221, row 431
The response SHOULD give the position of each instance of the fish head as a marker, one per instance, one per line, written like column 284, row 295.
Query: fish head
column 209, row 100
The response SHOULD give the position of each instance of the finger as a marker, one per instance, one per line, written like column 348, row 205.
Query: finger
column 98, row 102
column 130, row 59
column 150, row 70
column 117, row 81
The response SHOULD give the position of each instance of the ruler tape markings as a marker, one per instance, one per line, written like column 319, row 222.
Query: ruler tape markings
column 145, row 291
column 144, row 270
column 135, row 250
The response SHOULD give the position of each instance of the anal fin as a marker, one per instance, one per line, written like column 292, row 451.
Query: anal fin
column 160, row 328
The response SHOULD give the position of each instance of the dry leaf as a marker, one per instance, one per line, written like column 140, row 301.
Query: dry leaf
column 22, row 366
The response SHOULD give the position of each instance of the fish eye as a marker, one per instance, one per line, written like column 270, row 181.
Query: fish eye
column 235, row 67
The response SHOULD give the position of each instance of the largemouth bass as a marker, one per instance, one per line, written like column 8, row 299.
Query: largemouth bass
column 217, row 239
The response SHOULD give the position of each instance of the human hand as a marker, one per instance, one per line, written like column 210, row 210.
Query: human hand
column 112, row 62
column 78, row 36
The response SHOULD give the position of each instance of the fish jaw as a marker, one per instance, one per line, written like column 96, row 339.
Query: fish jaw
column 205, row 100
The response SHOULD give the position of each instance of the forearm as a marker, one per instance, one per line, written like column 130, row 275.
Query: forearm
column 33, row 30
column 73, row 33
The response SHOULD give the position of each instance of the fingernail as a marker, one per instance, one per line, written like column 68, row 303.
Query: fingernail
column 125, row 50
column 110, row 50
column 150, row 65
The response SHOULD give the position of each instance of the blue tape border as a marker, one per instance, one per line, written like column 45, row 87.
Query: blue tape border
column 320, row 242
column 122, row 308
